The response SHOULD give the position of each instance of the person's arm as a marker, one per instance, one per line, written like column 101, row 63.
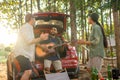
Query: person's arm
column 96, row 38
column 28, row 36
column 84, row 42
column 43, row 36
column 34, row 41
column 88, row 42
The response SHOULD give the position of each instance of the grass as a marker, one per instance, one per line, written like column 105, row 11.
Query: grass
column 2, row 59
column 3, row 53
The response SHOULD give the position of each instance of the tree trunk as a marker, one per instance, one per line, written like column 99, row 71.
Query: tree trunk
column 119, row 15
column 49, row 6
column 54, row 5
column 102, row 18
column 26, row 6
column 82, row 27
column 31, row 6
column 73, row 20
column 38, row 5
column 117, row 33
column 20, row 16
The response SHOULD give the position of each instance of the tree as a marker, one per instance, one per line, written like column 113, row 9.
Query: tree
column 14, row 10
column 117, row 31
column 73, row 20
column 38, row 4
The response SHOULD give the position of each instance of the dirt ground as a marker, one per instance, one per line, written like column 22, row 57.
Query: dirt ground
column 3, row 71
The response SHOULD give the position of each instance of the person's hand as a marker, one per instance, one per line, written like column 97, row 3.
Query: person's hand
column 51, row 51
column 44, row 36
column 51, row 44
column 81, row 41
column 66, row 44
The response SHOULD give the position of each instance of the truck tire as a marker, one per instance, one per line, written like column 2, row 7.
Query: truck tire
column 77, row 72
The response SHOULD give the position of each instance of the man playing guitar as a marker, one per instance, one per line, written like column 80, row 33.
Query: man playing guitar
column 54, row 59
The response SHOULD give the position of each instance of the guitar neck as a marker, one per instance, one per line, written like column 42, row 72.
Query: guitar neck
column 64, row 43
column 59, row 45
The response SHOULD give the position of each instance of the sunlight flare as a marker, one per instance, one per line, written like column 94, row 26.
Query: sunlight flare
column 7, row 37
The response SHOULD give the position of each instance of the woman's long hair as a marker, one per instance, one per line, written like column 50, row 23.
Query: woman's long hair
column 104, row 36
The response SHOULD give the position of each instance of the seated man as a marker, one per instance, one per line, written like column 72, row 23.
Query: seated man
column 54, row 59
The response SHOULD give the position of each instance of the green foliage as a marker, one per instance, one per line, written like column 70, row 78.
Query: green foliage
column 3, row 52
column 116, row 3
column 3, row 59
column 111, row 54
column 15, row 11
column 10, row 9
column 107, row 29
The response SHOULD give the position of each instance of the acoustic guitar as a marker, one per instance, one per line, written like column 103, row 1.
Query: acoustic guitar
column 44, row 49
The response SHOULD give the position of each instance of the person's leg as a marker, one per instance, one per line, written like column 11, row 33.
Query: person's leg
column 58, row 66
column 89, row 65
column 97, row 63
column 26, row 75
column 26, row 67
column 47, row 65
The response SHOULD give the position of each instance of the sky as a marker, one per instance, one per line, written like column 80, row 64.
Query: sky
column 1, row 0
column 7, row 35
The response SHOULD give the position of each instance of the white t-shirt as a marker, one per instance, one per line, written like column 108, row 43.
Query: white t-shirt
column 23, row 47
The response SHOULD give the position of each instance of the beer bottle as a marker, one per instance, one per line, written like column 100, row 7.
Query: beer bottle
column 93, row 74
column 109, row 72
column 96, row 74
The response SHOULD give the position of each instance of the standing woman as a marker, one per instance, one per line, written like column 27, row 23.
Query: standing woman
column 96, row 44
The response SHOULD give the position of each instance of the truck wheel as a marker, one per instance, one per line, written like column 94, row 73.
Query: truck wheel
column 77, row 73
